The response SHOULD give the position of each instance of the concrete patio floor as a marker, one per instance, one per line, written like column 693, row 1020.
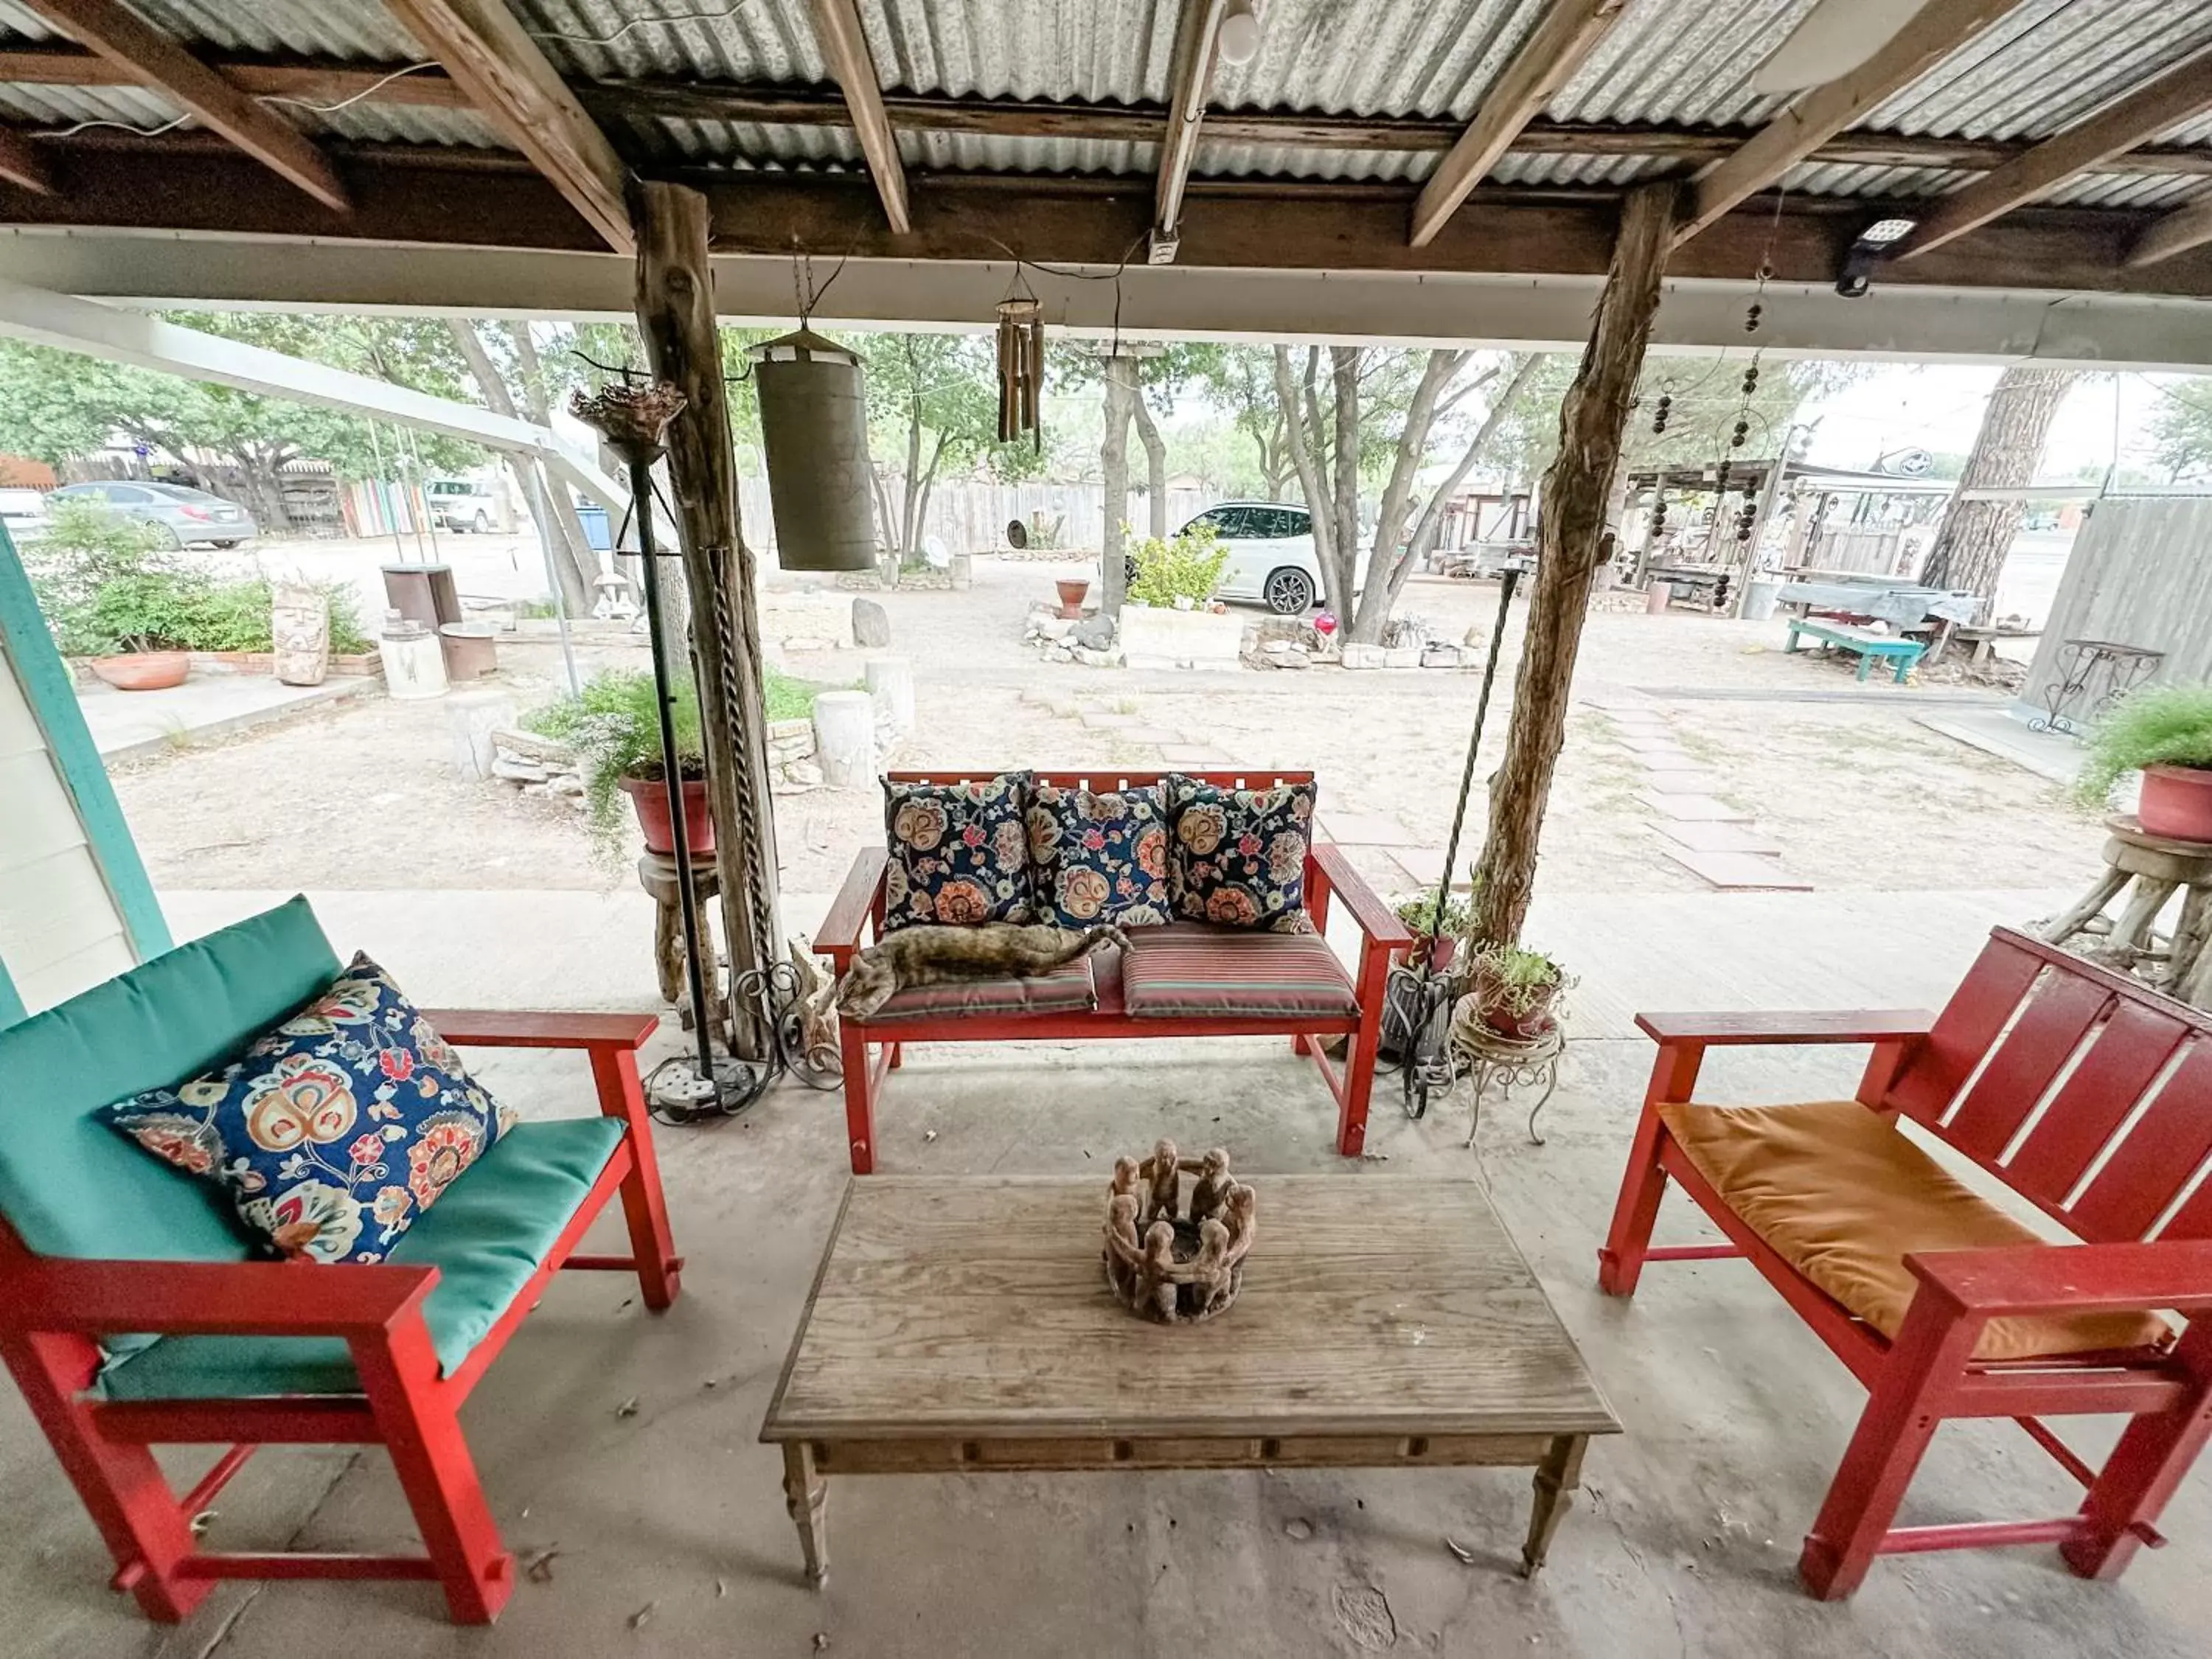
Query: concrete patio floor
column 668, row 1526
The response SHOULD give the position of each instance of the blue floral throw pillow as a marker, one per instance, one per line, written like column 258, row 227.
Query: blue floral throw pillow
column 959, row 853
column 1099, row 858
column 1239, row 855
column 333, row 1130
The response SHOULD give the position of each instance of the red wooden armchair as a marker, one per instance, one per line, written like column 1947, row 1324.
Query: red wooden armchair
column 2084, row 1093
column 1266, row 984
column 142, row 1323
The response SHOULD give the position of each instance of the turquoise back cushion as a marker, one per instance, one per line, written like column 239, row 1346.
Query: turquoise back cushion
column 69, row 1184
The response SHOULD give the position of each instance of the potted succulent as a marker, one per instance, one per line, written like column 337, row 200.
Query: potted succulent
column 2166, row 734
column 615, row 728
column 1516, row 990
column 1420, row 914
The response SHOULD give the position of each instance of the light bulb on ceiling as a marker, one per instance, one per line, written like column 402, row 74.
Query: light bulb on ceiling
column 1237, row 40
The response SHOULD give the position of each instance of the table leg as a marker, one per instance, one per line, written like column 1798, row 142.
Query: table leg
column 1557, row 1477
column 2074, row 921
column 1551, row 1084
column 668, row 950
column 806, row 1496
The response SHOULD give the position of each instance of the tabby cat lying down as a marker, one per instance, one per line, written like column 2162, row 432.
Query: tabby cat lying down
column 935, row 956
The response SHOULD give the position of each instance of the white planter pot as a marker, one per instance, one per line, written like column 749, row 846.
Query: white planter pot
column 1155, row 638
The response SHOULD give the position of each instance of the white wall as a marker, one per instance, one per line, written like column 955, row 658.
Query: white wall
column 60, row 931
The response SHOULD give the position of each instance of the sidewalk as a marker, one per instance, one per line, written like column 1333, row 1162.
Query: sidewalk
column 125, row 724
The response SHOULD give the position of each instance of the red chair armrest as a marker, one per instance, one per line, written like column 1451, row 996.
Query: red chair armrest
column 1376, row 919
column 212, row 1298
column 2070, row 1278
column 485, row 1027
column 838, row 935
column 1788, row 1026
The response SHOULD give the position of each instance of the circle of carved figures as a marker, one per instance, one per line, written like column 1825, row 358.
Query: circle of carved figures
column 1172, row 1262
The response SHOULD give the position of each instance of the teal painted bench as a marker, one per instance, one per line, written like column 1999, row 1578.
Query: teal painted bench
column 133, row 1313
column 1869, row 645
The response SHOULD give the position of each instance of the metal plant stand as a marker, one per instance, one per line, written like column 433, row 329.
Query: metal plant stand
column 2068, row 699
column 1485, row 1055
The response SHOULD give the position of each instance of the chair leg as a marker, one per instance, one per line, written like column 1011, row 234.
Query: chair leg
column 897, row 1058
column 1359, row 1058
column 121, row 1487
column 1642, row 1184
column 1901, row 1417
column 644, row 1206
column 859, row 1097
column 1301, row 1043
column 399, row 1373
column 2154, row 1455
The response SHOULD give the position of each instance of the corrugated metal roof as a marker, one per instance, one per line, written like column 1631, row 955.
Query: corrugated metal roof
column 2045, row 65
column 2115, row 190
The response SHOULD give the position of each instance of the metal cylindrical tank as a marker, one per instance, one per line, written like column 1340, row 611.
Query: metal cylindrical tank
column 814, row 427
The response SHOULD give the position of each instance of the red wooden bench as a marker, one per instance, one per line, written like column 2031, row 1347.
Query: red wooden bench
column 1298, row 959
column 2082, row 1092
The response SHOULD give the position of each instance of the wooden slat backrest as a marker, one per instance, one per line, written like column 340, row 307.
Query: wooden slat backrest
column 1106, row 778
column 2095, row 1100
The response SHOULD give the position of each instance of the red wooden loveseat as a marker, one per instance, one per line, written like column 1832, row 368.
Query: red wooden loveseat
column 1182, row 979
column 131, row 1317
column 2083, row 1093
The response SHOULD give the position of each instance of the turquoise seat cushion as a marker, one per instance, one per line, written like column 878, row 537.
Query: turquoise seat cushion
column 69, row 1184
column 486, row 1236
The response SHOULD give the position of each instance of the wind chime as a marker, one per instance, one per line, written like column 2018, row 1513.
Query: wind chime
column 1021, row 371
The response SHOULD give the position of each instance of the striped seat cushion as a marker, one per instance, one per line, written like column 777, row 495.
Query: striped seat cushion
column 1068, row 990
column 1189, row 971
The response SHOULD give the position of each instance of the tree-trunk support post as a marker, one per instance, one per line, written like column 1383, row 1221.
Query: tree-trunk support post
column 1592, row 420
column 675, row 305
column 1121, row 395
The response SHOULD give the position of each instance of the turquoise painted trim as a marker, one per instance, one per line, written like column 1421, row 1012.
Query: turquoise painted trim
column 51, row 689
column 11, row 1005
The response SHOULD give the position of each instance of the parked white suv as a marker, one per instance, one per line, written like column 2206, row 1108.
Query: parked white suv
column 461, row 505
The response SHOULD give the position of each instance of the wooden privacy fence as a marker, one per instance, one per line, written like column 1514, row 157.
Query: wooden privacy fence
column 2140, row 573
column 971, row 515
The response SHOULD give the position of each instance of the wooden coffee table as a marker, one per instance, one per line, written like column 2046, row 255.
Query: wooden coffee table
column 963, row 1325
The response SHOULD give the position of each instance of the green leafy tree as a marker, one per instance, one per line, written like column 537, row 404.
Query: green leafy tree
column 933, row 407
column 2181, row 430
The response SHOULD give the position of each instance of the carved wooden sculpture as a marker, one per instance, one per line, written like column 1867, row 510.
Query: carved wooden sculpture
column 1187, row 1266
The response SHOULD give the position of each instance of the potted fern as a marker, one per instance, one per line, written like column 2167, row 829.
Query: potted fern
column 614, row 729
column 2165, row 733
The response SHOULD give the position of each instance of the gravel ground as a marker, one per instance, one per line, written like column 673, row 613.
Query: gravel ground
column 1856, row 793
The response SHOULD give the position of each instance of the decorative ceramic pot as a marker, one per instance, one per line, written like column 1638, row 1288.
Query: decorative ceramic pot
column 1073, row 589
column 144, row 670
column 1523, row 1026
column 649, row 796
column 2177, row 801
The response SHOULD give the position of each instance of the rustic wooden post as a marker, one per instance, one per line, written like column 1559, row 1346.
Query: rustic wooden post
column 675, row 304
column 1592, row 418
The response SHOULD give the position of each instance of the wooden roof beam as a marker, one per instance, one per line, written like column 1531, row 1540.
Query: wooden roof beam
column 154, row 61
column 2179, row 231
column 845, row 48
column 21, row 164
column 2157, row 107
column 1933, row 33
column 510, row 81
column 1554, row 50
column 1192, row 79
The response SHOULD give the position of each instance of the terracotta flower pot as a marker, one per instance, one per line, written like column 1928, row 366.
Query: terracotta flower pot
column 1071, row 592
column 1524, row 1026
column 649, row 797
column 144, row 670
column 2177, row 801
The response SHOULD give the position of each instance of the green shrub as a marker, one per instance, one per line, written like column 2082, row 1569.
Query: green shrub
column 105, row 589
column 1417, row 913
column 2166, row 725
column 1187, row 567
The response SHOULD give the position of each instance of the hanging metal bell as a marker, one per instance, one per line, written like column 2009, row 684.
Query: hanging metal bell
column 814, row 429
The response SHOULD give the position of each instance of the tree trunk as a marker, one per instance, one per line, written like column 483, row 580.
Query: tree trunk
column 675, row 302
column 1592, row 419
column 567, row 524
column 1343, row 459
column 575, row 574
column 1971, row 546
column 1156, row 468
column 1299, row 441
column 1366, row 626
column 1113, row 466
column 1423, row 536
column 909, row 525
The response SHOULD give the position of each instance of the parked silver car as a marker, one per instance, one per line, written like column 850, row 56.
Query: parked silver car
column 181, row 515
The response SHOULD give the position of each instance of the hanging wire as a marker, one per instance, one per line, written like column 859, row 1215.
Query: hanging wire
column 369, row 91
column 722, row 17
column 123, row 127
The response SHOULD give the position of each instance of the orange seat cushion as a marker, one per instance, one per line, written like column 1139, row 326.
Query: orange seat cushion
column 1843, row 1197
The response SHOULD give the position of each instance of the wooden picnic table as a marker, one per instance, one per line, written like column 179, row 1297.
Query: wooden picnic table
column 1869, row 645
